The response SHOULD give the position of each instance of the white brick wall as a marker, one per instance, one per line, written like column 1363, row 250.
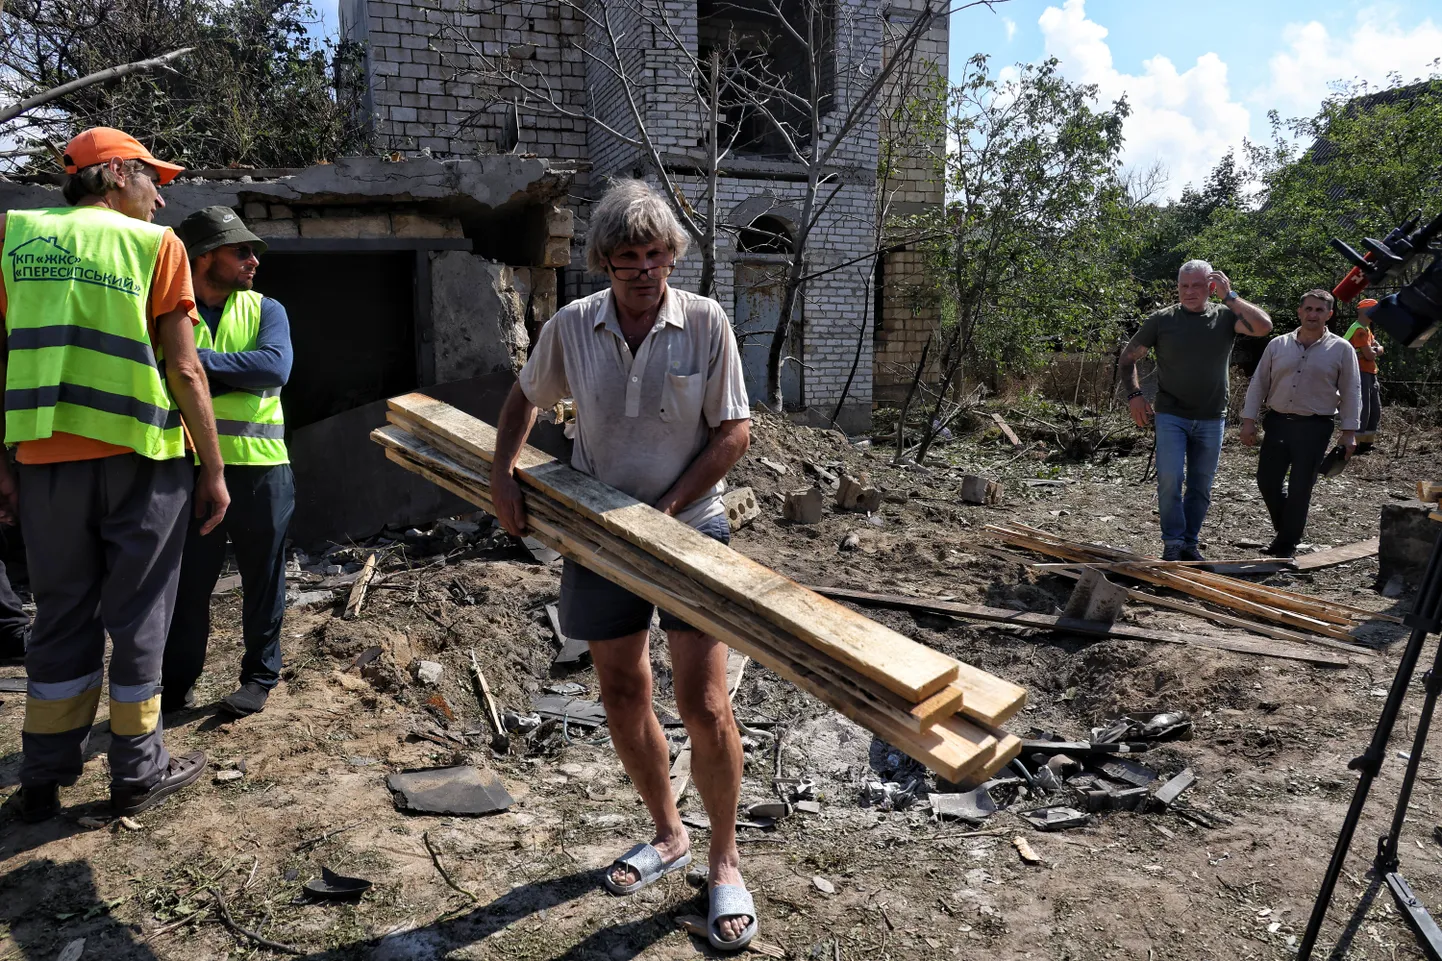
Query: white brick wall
column 425, row 92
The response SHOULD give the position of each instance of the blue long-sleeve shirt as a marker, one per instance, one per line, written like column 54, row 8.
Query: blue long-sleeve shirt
column 265, row 367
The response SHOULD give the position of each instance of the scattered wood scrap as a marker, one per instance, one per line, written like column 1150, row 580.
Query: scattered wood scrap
column 875, row 676
column 1047, row 622
column 359, row 588
column 1429, row 492
column 1314, row 615
column 1006, row 430
column 1337, row 555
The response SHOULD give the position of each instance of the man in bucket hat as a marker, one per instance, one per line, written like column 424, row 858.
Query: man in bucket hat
column 245, row 348
column 100, row 366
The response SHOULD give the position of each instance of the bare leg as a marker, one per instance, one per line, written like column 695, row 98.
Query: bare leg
column 623, row 667
column 698, row 668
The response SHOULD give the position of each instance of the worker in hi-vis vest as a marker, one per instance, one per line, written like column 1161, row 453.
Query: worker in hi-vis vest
column 245, row 348
column 100, row 367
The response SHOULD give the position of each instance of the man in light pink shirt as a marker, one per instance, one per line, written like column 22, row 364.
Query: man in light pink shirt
column 661, row 414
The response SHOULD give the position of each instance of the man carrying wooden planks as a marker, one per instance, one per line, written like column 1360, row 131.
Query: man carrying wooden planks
column 661, row 414
column 1193, row 340
column 1305, row 378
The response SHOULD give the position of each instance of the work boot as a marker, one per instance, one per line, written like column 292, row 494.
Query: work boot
column 1279, row 549
column 1172, row 552
column 1191, row 554
column 186, row 701
column 250, row 699
column 39, row 802
column 181, row 772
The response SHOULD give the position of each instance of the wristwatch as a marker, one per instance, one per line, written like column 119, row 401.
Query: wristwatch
column 1231, row 296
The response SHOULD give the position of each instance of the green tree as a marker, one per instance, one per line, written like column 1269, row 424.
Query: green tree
column 1355, row 169
column 258, row 89
column 1036, row 234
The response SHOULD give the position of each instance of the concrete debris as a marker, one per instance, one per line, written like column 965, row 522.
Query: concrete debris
column 450, row 790
column 72, row 951
column 428, row 673
column 775, row 810
column 809, row 807
column 1094, row 598
column 223, row 777
column 826, row 477
column 973, row 806
column 803, row 506
column 857, row 494
column 741, row 507
column 979, row 490
column 303, row 599
column 823, row 885
column 780, row 469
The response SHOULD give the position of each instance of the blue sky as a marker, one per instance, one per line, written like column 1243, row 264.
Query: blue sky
column 1201, row 76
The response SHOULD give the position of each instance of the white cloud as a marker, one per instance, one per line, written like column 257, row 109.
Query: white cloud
column 1373, row 49
column 1186, row 119
column 1010, row 25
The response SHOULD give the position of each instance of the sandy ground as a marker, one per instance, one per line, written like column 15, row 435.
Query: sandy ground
column 1272, row 741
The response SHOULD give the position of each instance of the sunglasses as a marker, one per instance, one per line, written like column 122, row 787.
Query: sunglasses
column 244, row 252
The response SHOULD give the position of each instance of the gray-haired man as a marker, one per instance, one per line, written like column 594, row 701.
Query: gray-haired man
column 662, row 414
column 1193, row 340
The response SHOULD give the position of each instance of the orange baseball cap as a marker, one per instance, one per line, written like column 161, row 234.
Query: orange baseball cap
column 1364, row 304
column 99, row 144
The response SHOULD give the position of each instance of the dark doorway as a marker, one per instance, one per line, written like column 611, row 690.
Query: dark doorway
column 352, row 326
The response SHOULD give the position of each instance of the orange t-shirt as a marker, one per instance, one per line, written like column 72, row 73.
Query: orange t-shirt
column 1362, row 337
column 170, row 289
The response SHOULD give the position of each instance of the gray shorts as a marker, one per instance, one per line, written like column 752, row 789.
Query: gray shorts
column 595, row 609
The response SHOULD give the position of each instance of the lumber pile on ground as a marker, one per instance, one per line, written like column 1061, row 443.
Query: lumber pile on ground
column 940, row 711
column 1302, row 617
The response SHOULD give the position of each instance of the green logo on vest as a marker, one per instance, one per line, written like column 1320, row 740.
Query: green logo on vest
column 44, row 259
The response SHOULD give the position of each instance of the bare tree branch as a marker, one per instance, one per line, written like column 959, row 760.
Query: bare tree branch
column 100, row 76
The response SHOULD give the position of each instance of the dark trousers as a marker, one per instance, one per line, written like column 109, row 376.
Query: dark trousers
column 262, row 500
column 1296, row 445
column 103, row 540
column 14, row 622
column 1371, row 409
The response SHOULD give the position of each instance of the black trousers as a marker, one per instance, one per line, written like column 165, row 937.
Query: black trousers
column 262, row 500
column 1371, row 409
column 1294, row 445
column 14, row 622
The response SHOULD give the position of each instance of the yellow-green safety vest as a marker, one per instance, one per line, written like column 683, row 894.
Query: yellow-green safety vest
column 250, row 424
column 80, row 357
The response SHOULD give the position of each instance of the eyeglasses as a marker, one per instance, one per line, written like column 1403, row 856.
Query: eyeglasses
column 244, row 252
column 658, row 272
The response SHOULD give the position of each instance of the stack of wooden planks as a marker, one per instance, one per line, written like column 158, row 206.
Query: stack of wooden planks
column 939, row 710
column 1302, row 617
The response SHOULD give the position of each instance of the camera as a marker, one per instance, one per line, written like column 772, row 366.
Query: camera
column 1412, row 314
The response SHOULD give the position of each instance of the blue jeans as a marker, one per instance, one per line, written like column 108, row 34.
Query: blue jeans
column 1186, row 450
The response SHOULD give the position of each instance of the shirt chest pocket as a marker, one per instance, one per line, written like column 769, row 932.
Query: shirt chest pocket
column 681, row 398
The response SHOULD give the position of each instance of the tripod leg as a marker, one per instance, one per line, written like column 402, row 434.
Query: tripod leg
column 1423, row 620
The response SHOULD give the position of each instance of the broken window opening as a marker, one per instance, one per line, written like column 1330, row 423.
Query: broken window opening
column 766, row 234
column 760, row 58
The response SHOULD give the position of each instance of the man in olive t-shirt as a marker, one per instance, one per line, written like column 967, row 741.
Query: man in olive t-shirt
column 1193, row 343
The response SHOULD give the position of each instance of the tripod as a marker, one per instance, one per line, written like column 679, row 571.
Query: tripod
column 1425, row 618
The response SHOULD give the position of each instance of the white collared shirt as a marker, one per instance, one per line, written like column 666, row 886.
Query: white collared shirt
column 642, row 419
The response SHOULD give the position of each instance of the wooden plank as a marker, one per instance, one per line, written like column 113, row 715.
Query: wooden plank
column 1006, row 430
column 1048, row 622
column 1337, row 555
column 897, row 662
column 1183, row 583
column 737, row 627
column 948, row 700
column 1161, row 565
column 358, row 589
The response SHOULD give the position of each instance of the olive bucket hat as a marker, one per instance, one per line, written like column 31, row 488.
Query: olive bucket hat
column 212, row 227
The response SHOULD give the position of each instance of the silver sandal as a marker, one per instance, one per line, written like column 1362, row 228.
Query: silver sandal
column 729, row 901
column 646, row 862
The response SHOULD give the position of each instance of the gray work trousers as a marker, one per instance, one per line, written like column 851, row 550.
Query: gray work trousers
column 103, row 540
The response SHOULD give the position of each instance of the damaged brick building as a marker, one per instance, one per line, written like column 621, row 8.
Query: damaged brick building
column 434, row 86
